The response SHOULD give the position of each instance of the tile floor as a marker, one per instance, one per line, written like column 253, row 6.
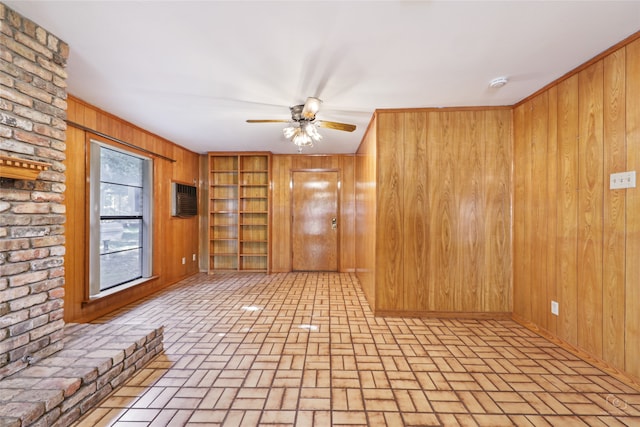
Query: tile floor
column 304, row 349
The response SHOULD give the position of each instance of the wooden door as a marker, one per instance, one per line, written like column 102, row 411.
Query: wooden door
column 314, row 221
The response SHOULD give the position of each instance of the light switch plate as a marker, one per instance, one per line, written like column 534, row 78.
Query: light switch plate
column 622, row 180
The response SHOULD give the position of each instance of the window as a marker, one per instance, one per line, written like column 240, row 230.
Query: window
column 120, row 219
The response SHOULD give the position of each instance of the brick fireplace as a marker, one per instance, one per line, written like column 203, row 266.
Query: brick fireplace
column 32, row 142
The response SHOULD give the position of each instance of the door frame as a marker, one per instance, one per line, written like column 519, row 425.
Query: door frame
column 338, row 213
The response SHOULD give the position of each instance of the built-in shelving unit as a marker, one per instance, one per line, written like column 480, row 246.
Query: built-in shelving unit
column 239, row 211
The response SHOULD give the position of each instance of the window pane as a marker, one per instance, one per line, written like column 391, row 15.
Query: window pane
column 120, row 267
column 120, row 168
column 120, row 235
column 121, row 188
column 120, row 200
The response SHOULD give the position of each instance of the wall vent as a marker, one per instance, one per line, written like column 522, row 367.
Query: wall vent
column 184, row 200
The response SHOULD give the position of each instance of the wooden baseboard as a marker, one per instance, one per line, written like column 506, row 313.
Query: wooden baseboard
column 445, row 314
column 576, row 351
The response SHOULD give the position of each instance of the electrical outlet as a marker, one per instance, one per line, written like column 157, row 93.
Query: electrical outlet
column 184, row 260
column 622, row 180
column 555, row 308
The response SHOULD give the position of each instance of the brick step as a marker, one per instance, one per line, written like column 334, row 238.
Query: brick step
column 95, row 359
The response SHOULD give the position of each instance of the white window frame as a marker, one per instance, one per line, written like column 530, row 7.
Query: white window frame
column 94, row 220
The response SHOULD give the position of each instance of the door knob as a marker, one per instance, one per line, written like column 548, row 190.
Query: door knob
column 334, row 223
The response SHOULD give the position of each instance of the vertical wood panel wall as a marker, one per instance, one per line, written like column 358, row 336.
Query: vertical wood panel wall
column 282, row 165
column 442, row 228
column 576, row 241
column 170, row 240
column 365, row 212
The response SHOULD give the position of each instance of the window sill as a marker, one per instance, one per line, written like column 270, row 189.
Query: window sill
column 118, row 289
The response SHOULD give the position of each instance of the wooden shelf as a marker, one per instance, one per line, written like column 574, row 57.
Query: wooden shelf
column 11, row 167
column 240, row 199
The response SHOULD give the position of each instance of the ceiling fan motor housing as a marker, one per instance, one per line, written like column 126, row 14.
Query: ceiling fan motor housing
column 296, row 114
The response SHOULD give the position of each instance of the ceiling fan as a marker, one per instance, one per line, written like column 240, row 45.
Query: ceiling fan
column 303, row 126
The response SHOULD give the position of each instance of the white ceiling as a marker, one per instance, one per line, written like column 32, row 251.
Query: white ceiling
column 194, row 71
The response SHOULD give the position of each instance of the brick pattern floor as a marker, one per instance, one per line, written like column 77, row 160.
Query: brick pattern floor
column 304, row 349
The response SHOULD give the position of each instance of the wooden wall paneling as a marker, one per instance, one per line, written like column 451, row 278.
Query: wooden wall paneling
column 281, row 214
column 415, row 244
column 365, row 205
column 170, row 263
column 181, row 227
column 590, row 192
column 480, row 130
column 282, row 167
column 632, row 288
column 497, row 208
column 593, row 232
column 166, row 260
column 445, row 217
column 347, row 214
column 457, row 135
column 315, row 162
column 470, row 193
column 76, row 207
column 301, row 162
column 436, row 195
column 567, row 210
column 89, row 117
column 528, row 235
column 551, row 199
column 103, row 124
column 613, row 273
column 389, row 231
column 445, row 249
column 204, row 208
column 537, row 228
column 523, row 228
column 76, row 201
column 194, row 226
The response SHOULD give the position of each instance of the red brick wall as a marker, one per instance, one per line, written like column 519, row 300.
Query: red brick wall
column 32, row 126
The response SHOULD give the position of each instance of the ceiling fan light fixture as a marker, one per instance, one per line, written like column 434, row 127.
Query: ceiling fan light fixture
column 302, row 134
column 290, row 131
column 301, row 140
column 302, row 129
column 311, row 108
column 311, row 130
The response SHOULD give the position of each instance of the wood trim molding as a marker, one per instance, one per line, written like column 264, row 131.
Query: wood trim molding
column 16, row 168
column 587, row 357
column 443, row 109
column 473, row 315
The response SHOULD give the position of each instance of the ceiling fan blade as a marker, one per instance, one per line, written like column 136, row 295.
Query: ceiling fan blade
column 311, row 108
column 268, row 121
column 336, row 125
